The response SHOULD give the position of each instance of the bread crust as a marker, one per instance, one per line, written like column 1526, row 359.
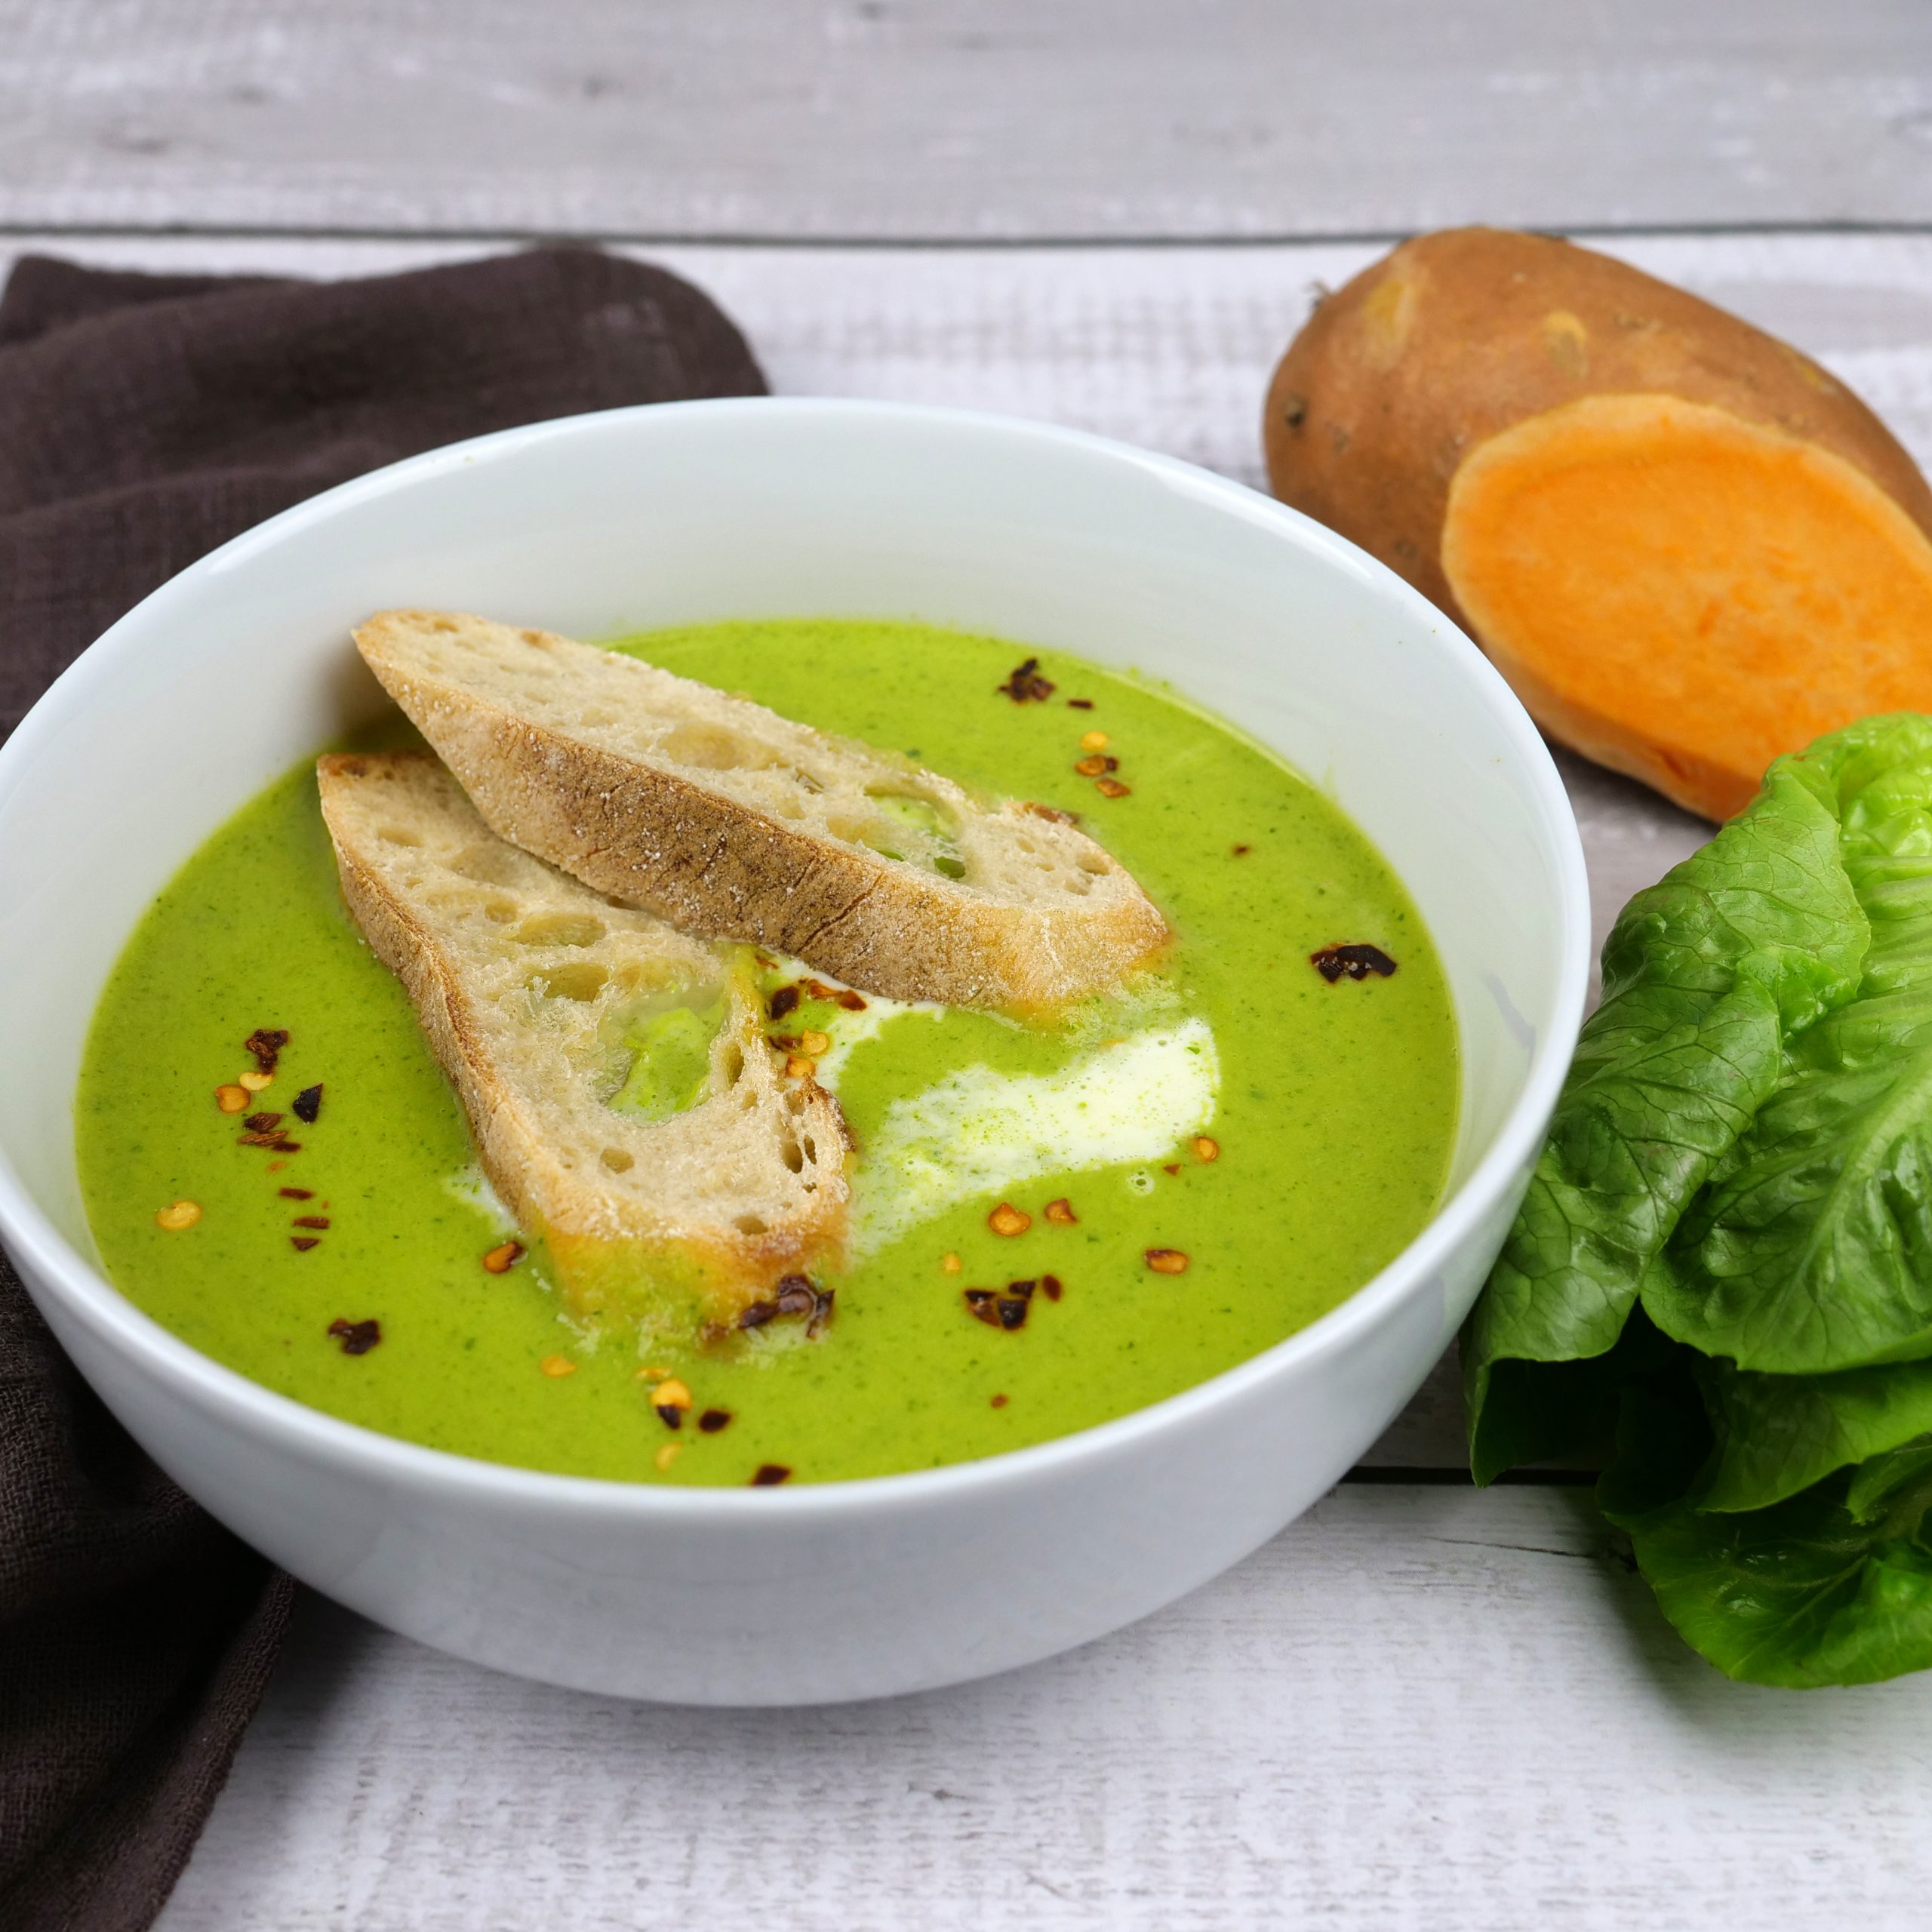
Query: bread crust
column 655, row 1251
column 658, row 836
column 1455, row 337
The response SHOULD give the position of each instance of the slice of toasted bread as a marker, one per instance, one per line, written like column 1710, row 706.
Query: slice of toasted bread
column 535, row 993
column 734, row 822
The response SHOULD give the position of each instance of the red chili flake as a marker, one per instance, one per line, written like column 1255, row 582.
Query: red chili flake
column 296, row 1193
column 1052, row 812
column 1240, row 851
column 310, row 1221
column 357, row 1338
column 1353, row 962
column 1050, row 1287
column 796, row 1296
column 271, row 1137
column 262, row 1123
column 308, row 1104
column 1093, row 766
column 303, row 1243
column 1111, row 788
column 770, row 1474
column 266, row 1043
column 1024, row 682
column 1081, row 703
column 1007, row 1310
column 836, row 995
column 712, row 1420
column 999, row 1402
column 669, row 1414
column 783, row 1001
column 1171, row 1167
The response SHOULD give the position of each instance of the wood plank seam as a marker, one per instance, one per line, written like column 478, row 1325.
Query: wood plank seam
column 885, row 243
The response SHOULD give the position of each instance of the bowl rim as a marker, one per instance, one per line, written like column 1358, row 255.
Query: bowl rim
column 86, row 1294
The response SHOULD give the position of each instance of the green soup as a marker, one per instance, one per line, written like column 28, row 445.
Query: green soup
column 1272, row 1135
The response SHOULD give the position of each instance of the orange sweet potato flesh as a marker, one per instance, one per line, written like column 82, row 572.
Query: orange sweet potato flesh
column 1688, row 547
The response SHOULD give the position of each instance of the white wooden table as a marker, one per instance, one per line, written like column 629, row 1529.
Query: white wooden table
column 1420, row 1705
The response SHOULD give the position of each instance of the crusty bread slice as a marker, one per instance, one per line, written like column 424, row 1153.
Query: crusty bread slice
column 734, row 822
column 529, row 986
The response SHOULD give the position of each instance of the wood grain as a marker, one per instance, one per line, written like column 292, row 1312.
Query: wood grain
column 1169, row 347
column 1416, row 1707
column 974, row 118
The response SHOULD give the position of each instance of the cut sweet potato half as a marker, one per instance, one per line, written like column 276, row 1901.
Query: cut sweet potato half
column 1682, row 595
column 1687, row 546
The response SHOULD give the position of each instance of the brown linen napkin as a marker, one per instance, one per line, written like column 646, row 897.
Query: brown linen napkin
column 144, row 420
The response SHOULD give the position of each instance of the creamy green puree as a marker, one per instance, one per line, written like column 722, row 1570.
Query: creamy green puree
column 1333, row 1107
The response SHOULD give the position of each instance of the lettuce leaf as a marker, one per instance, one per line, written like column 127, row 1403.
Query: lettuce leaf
column 1832, row 1586
column 1725, row 1257
column 1776, row 1435
column 1706, row 975
column 1810, row 1250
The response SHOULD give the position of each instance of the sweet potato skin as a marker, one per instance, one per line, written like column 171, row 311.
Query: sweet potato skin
column 1456, row 336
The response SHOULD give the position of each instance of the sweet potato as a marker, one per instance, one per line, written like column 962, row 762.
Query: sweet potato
column 1687, row 547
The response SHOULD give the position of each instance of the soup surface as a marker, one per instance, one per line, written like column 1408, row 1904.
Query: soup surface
column 1234, row 1144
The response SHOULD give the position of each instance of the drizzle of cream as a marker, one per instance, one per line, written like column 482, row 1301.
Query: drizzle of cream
column 979, row 1132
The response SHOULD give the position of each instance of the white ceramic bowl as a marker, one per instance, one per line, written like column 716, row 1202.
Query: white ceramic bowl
column 240, row 665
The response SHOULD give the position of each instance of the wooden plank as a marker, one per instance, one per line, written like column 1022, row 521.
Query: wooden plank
column 1171, row 349
column 1416, row 1707
column 880, row 119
